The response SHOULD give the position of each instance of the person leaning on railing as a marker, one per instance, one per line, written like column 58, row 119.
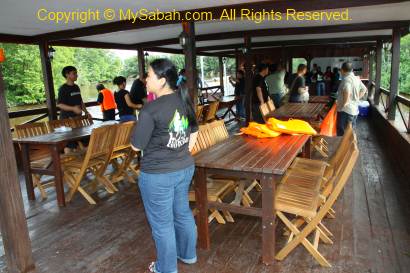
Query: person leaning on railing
column 350, row 91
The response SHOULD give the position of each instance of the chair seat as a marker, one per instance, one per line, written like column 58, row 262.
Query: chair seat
column 216, row 189
column 310, row 165
column 77, row 163
column 41, row 163
column 297, row 200
column 306, row 180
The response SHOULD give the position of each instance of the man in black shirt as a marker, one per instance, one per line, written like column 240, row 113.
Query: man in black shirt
column 239, row 84
column 138, row 90
column 297, row 86
column 260, row 93
column 69, row 98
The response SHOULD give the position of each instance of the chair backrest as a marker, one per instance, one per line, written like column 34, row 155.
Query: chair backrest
column 213, row 108
column 218, row 130
column 264, row 108
column 210, row 134
column 271, row 106
column 101, row 143
column 31, row 129
column 339, row 180
column 123, row 136
column 82, row 121
column 198, row 112
column 343, row 147
column 52, row 124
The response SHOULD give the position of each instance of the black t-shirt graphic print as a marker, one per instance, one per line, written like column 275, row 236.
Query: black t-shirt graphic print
column 162, row 134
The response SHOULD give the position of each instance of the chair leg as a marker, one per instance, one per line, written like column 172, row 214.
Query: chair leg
column 227, row 214
column 216, row 215
column 296, row 241
column 37, row 183
column 86, row 196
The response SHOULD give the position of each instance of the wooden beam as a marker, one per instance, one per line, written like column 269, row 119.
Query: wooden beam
column 394, row 77
column 13, row 225
column 141, row 63
column 309, row 42
column 91, row 44
column 48, row 81
column 221, row 74
column 190, row 60
column 16, row 39
column 248, row 78
column 278, row 6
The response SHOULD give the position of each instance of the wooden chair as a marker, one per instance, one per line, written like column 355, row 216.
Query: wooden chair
column 53, row 124
column 217, row 188
column 212, row 110
column 271, row 106
column 122, row 151
column 306, row 202
column 82, row 121
column 264, row 108
column 39, row 156
column 95, row 161
column 198, row 112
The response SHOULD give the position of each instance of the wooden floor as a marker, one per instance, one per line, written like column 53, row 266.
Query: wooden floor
column 372, row 229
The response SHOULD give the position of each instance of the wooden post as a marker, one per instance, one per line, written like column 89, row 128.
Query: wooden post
column 394, row 76
column 378, row 75
column 221, row 74
column 48, row 81
column 141, row 63
column 236, row 60
column 371, row 79
column 190, row 60
column 248, row 78
column 13, row 225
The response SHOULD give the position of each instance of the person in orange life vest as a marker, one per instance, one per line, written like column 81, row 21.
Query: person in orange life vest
column 107, row 102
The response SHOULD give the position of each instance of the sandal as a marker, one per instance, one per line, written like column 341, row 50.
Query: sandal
column 151, row 267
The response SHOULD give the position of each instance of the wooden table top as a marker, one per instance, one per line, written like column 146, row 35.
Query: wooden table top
column 319, row 99
column 249, row 154
column 56, row 138
column 305, row 111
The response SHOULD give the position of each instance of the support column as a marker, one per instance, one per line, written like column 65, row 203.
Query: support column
column 394, row 76
column 378, row 75
column 248, row 77
column 371, row 71
column 190, row 60
column 48, row 81
column 141, row 63
column 221, row 74
column 236, row 60
column 13, row 225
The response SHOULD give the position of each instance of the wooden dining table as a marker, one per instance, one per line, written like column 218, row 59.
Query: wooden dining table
column 306, row 111
column 55, row 142
column 245, row 157
column 227, row 102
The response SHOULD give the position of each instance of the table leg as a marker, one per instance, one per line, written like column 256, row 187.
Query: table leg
column 58, row 175
column 307, row 149
column 268, row 220
column 27, row 172
column 201, row 197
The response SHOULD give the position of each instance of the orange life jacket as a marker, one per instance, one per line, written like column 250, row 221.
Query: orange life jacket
column 108, row 100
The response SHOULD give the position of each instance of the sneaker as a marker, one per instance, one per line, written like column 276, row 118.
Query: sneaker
column 151, row 267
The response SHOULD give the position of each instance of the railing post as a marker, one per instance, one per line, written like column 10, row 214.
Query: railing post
column 48, row 80
column 394, row 78
column 377, row 91
column 221, row 75
column 141, row 63
column 13, row 224
column 248, row 77
column 190, row 60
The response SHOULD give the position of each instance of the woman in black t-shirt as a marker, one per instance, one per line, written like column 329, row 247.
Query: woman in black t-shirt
column 165, row 133
column 126, row 108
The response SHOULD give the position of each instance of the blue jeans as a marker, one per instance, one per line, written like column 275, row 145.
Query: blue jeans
column 125, row 118
column 320, row 88
column 276, row 97
column 165, row 198
column 240, row 108
column 342, row 121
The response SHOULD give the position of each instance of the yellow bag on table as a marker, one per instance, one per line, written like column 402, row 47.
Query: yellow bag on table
column 292, row 126
column 259, row 130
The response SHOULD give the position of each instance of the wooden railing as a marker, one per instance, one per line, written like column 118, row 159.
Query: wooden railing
column 40, row 113
column 213, row 89
column 402, row 105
